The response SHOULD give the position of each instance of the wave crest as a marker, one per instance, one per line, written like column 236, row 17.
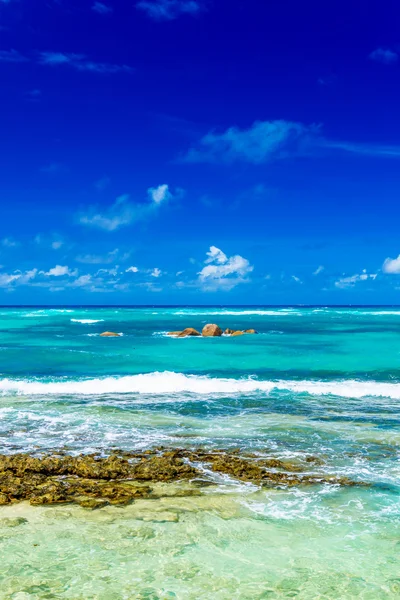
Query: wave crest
column 176, row 383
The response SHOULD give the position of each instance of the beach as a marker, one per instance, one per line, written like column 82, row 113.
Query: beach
column 311, row 401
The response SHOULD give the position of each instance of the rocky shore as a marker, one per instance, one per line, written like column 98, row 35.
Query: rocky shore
column 93, row 481
column 210, row 330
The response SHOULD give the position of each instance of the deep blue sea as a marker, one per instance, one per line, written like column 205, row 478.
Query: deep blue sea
column 314, row 380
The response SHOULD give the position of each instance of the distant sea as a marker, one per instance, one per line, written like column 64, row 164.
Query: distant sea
column 321, row 381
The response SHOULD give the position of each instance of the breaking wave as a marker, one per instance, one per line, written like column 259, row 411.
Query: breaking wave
column 159, row 383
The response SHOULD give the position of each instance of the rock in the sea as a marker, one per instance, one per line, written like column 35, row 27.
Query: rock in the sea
column 211, row 330
column 237, row 333
column 4, row 499
column 228, row 331
column 250, row 331
column 110, row 334
column 189, row 331
column 176, row 333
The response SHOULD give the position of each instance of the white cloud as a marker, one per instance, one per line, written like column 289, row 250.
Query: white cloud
column 160, row 193
column 80, row 62
column 132, row 270
column 17, row 278
column 57, row 244
column 296, row 279
column 216, row 255
column 168, row 10
column 222, row 272
column 124, row 212
column 59, row 271
column 392, row 266
column 156, row 272
column 385, row 56
column 119, row 214
column 319, row 270
column 101, row 8
column 267, row 141
column 351, row 281
column 82, row 281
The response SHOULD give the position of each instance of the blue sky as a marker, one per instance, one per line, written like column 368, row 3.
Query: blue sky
column 199, row 152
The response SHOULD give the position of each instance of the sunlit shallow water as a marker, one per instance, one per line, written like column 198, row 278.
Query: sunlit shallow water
column 315, row 381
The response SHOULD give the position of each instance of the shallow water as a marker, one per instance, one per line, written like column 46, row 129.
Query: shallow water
column 314, row 381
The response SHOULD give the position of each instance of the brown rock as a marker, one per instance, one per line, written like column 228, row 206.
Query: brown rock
column 4, row 500
column 174, row 332
column 211, row 330
column 189, row 331
column 228, row 331
column 250, row 331
column 110, row 334
column 237, row 333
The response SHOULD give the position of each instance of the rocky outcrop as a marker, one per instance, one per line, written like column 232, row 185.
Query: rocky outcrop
column 211, row 330
column 189, row 331
column 110, row 334
column 93, row 481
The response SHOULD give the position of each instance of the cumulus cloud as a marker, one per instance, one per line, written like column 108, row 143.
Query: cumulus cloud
column 160, row 193
column 168, row 10
column 101, row 8
column 132, row 270
column 80, row 62
column 156, row 272
column 351, row 281
column 59, row 271
column 392, row 266
column 385, row 56
column 222, row 272
column 267, row 141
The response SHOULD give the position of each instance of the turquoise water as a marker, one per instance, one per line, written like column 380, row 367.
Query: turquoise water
column 321, row 381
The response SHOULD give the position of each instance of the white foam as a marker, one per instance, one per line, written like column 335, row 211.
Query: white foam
column 285, row 312
column 87, row 321
column 175, row 383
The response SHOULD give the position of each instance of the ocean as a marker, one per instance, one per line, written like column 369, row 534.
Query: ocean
column 317, row 383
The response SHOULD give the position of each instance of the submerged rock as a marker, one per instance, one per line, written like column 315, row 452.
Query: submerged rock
column 12, row 521
column 176, row 333
column 211, row 330
column 110, row 334
column 235, row 333
column 250, row 331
